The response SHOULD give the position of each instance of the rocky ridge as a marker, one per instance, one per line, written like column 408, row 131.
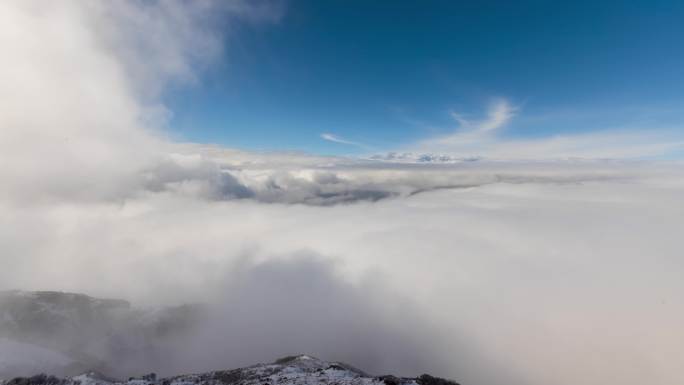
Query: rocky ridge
column 292, row 370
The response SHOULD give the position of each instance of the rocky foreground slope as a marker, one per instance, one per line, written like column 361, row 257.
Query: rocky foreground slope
column 294, row 370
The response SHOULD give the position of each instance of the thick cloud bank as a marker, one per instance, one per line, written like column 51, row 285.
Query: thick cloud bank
column 487, row 272
column 516, row 282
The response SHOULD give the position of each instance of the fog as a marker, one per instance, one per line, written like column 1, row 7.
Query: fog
column 487, row 272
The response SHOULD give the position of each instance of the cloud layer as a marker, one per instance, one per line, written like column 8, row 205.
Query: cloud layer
column 526, row 281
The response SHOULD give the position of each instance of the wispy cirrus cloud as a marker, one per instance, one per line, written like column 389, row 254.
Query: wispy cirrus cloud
column 500, row 112
column 472, row 134
column 338, row 139
column 483, row 138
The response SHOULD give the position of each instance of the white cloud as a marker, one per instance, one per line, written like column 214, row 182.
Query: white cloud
column 499, row 114
column 483, row 139
column 519, row 259
column 337, row 139
column 615, row 144
column 609, row 144
column 472, row 135
column 81, row 82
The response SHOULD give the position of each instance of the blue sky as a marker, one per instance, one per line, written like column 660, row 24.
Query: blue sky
column 388, row 74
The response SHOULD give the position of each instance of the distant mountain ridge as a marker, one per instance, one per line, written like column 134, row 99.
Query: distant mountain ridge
column 67, row 333
column 291, row 370
column 411, row 157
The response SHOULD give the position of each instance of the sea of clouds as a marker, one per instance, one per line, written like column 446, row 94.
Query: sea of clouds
column 488, row 272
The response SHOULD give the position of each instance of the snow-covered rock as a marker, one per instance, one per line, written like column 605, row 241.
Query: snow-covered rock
column 293, row 370
column 410, row 157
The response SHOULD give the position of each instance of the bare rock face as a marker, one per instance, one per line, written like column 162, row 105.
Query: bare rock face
column 291, row 370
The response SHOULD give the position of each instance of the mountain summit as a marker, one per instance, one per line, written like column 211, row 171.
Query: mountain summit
column 291, row 370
